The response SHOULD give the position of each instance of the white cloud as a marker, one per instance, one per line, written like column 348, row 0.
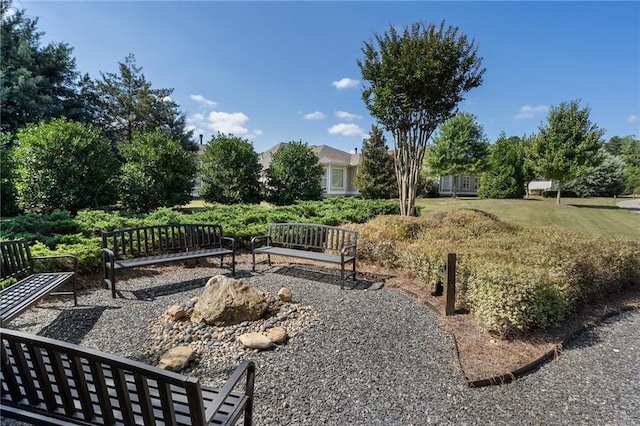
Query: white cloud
column 345, row 83
column 633, row 118
column 529, row 111
column 225, row 122
column 317, row 115
column 346, row 129
column 344, row 115
column 201, row 99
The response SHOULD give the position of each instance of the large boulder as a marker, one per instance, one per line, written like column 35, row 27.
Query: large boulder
column 226, row 301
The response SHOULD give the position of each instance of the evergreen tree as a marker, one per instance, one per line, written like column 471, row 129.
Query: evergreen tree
column 504, row 177
column 294, row 174
column 38, row 82
column 376, row 174
column 230, row 171
column 158, row 172
column 128, row 105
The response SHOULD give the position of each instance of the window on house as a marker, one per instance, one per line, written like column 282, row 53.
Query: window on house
column 446, row 183
column 323, row 180
column 475, row 183
column 466, row 182
column 337, row 178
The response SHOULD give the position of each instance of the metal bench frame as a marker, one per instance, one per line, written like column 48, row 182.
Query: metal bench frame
column 150, row 245
column 16, row 262
column 46, row 381
column 309, row 241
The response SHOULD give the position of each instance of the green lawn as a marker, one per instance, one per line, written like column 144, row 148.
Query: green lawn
column 593, row 215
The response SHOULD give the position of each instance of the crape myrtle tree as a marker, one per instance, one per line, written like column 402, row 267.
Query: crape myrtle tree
column 127, row 105
column 568, row 146
column 376, row 177
column 230, row 171
column 64, row 165
column 38, row 81
column 504, row 177
column 157, row 172
column 416, row 78
column 294, row 174
column 459, row 147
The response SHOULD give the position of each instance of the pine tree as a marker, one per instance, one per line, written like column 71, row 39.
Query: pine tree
column 376, row 177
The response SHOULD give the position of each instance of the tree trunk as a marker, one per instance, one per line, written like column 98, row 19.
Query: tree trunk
column 559, row 190
column 454, row 186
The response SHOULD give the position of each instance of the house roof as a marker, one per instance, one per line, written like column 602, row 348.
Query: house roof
column 326, row 154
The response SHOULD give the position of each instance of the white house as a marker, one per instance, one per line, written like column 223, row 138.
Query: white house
column 465, row 185
column 340, row 168
column 537, row 187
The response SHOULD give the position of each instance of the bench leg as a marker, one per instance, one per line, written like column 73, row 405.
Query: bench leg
column 253, row 255
column 75, row 291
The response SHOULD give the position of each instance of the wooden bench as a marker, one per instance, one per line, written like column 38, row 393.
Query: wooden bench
column 46, row 381
column 150, row 245
column 309, row 241
column 16, row 263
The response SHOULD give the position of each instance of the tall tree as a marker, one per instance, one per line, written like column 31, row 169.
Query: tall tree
column 376, row 177
column 230, row 171
column 568, row 146
column 630, row 155
column 64, row 165
column 128, row 105
column 528, row 166
column 158, row 172
column 459, row 147
column 8, row 195
column 294, row 174
column 504, row 177
column 38, row 82
column 416, row 80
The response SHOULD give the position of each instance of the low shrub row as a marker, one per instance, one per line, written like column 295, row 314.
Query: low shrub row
column 513, row 279
column 58, row 232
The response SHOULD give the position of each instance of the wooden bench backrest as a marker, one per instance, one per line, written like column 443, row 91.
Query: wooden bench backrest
column 148, row 240
column 309, row 235
column 66, row 380
column 15, row 259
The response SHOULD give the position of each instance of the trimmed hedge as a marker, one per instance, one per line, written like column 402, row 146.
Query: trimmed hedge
column 513, row 279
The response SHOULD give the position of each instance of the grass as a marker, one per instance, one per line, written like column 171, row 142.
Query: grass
column 598, row 216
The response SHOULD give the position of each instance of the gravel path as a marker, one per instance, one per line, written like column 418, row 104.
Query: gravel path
column 368, row 356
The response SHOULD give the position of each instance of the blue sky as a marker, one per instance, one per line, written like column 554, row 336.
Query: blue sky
column 274, row 72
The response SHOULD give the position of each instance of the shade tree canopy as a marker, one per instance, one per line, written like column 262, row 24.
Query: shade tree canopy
column 459, row 147
column 568, row 146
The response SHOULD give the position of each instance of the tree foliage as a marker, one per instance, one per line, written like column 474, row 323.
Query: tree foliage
column 158, row 172
column 64, row 165
column 629, row 153
column 38, row 82
column 605, row 180
column 568, row 146
column 127, row 105
column 459, row 147
column 376, row 177
column 416, row 78
column 230, row 171
column 504, row 177
column 294, row 174
column 8, row 196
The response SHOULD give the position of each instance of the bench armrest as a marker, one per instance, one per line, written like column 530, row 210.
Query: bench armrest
column 247, row 367
column 345, row 249
column 261, row 237
column 230, row 240
column 73, row 259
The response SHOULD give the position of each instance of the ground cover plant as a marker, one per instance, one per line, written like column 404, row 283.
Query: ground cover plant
column 59, row 232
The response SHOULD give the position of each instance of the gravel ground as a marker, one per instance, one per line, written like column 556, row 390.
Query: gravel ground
column 364, row 356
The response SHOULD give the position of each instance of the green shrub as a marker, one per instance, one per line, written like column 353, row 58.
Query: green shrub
column 88, row 252
column 565, row 193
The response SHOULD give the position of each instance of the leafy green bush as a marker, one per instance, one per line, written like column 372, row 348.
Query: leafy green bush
column 47, row 228
column 88, row 252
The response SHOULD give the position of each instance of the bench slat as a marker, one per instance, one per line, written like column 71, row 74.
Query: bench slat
column 85, row 386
